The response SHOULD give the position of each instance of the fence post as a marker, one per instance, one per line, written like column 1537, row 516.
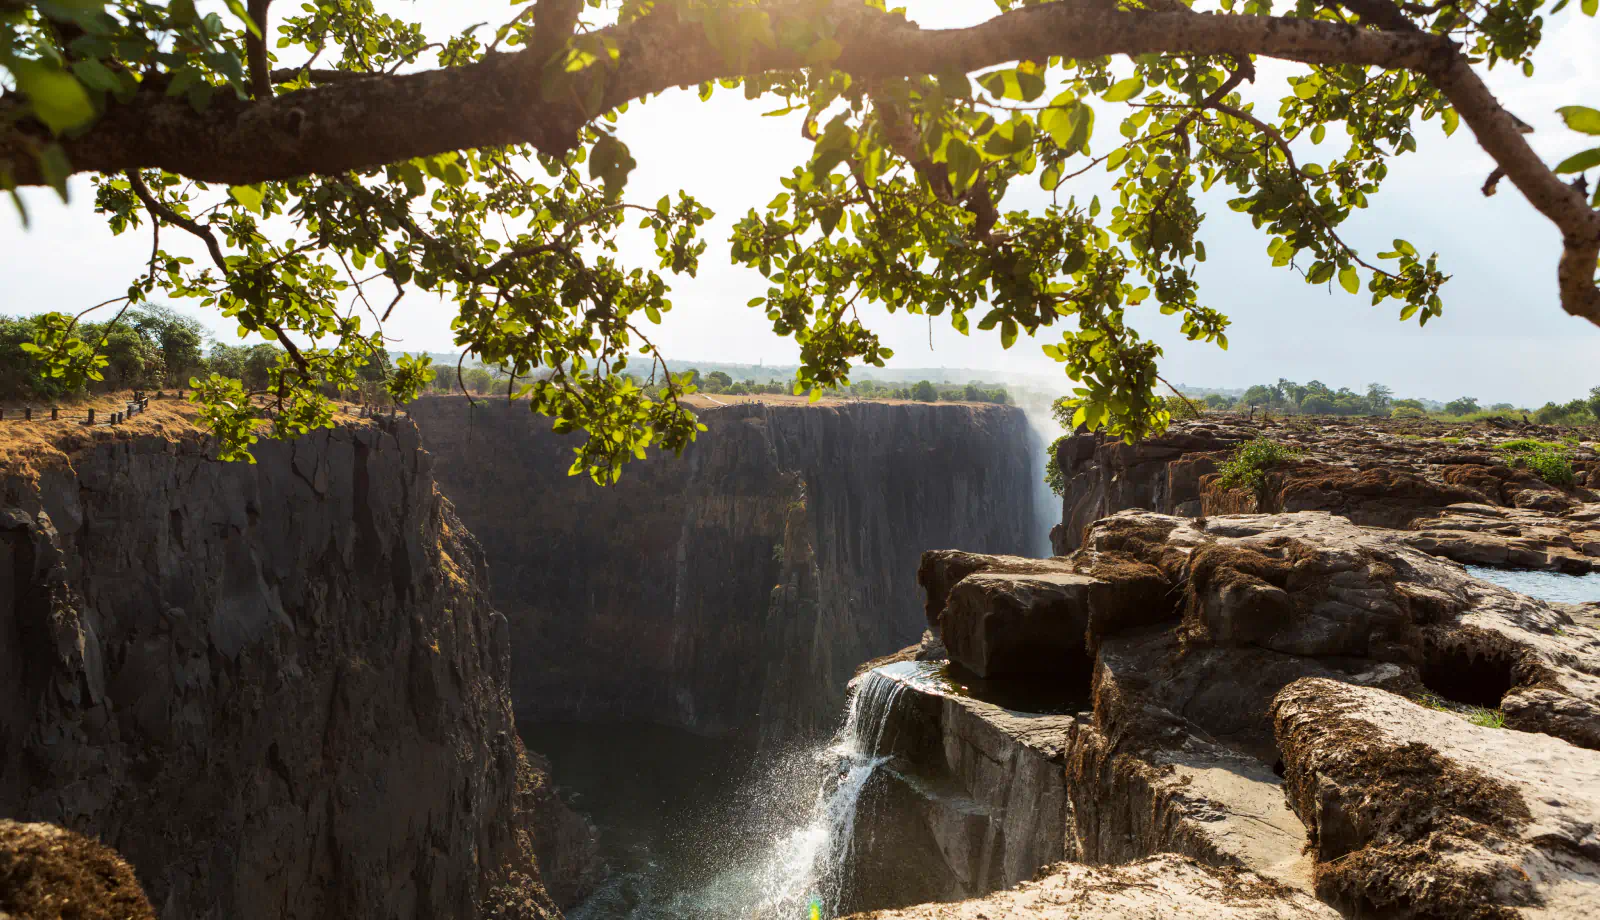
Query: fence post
column 91, row 418
column 27, row 413
column 55, row 413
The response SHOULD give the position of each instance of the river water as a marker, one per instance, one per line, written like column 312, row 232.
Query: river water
column 701, row 829
column 1549, row 586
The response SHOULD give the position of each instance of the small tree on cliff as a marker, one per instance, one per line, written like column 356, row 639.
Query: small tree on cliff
column 336, row 154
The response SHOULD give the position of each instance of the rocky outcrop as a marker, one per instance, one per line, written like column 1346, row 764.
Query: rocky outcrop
column 738, row 587
column 1156, row 887
column 278, row 689
column 1419, row 813
column 50, row 873
column 971, row 799
column 1200, row 708
column 1459, row 497
column 1104, row 475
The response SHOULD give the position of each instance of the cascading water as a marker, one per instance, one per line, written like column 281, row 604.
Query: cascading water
column 1038, row 407
column 775, row 859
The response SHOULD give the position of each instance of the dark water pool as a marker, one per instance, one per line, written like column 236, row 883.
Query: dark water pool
column 1549, row 586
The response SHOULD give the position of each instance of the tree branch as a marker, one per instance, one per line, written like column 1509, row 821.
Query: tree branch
column 504, row 99
column 355, row 124
column 256, row 51
column 1500, row 134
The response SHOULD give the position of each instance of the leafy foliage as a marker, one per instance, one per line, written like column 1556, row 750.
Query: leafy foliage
column 902, row 202
column 1550, row 461
column 1248, row 467
column 1054, row 477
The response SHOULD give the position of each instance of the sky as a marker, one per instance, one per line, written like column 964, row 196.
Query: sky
column 1503, row 336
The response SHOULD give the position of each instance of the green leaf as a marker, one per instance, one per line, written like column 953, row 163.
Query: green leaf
column 1013, row 84
column 1581, row 118
column 964, row 163
column 56, row 96
column 95, row 75
column 1318, row 133
column 1452, row 121
column 1579, row 162
column 955, row 85
column 1590, row 7
column 1350, row 279
column 248, row 195
column 823, row 53
column 829, row 218
column 611, row 162
column 1123, row 90
column 237, row 8
column 53, row 163
column 1305, row 89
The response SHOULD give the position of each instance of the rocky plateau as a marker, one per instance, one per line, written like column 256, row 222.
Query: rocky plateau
column 1291, row 703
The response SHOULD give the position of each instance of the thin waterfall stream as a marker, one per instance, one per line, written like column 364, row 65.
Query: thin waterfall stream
column 702, row 828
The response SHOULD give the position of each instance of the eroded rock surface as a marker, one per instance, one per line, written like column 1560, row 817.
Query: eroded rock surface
column 1155, row 888
column 972, row 798
column 1419, row 812
column 278, row 689
column 1199, row 626
column 1458, row 495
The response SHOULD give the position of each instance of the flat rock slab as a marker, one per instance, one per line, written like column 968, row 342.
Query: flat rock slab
column 1163, row 887
column 1415, row 812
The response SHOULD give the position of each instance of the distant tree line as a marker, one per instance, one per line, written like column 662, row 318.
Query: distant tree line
column 1316, row 398
column 150, row 348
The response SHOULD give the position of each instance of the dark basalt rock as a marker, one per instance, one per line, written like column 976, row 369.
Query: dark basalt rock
column 737, row 588
column 278, row 689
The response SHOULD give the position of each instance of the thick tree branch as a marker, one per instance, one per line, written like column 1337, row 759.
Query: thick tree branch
column 505, row 99
column 318, row 76
column 508, row 98
column 1500, row 134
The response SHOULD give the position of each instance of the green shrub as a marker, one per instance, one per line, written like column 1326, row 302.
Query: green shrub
column 1549, row 461
column 1407, row 412
column 1247, row 468
column 1053, row 477
column 1179, row 407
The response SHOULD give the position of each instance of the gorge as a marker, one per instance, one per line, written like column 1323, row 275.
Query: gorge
column 1286, row 702
column 735, row 589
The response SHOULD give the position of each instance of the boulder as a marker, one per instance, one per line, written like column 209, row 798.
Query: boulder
column 1003, row 625
column 941, row 569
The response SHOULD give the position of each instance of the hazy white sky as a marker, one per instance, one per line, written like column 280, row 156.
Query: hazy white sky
column 1502, row 336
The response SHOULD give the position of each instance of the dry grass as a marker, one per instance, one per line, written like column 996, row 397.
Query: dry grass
column 27, row 448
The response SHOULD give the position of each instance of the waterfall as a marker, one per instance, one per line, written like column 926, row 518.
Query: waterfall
column 1042, row 425
column 781, row 863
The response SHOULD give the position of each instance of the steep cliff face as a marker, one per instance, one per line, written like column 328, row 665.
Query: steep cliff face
column 738, row 587
column 277, row 689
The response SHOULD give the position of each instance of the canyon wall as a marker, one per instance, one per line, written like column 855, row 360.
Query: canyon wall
column 278, row 689
column 738, row 587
